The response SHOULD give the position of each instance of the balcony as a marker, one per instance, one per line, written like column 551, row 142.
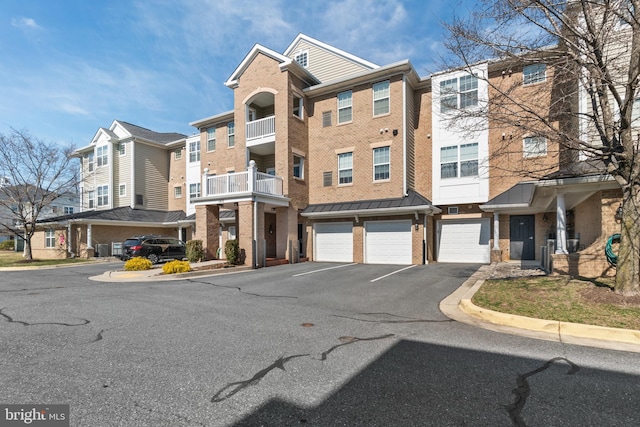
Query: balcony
column 240, row 184
column 261, row 131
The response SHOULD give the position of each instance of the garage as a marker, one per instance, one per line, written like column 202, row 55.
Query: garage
column 333, row 241
column 464, row 240
column 387, row 242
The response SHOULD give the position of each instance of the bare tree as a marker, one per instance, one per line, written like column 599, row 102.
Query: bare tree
column 592, row 48
column 35, row 174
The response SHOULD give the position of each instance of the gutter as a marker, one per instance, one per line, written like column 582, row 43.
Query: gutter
column 426, row 209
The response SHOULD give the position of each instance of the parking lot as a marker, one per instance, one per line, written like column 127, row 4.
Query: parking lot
column 310, row 343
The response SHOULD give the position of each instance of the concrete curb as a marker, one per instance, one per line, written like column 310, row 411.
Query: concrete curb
column 458, row 306
column 155, row 275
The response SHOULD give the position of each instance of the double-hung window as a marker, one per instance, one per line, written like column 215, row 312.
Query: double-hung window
column 459, row 92
column 459, row 161
column 211, row 139
column 194, row 151
column 90, row 162
column 298, row 166
column 381, row 98
column 298, row 106
column 535, row 146
column 381, row 163
column 122, row 190
column 345, row 107
column 534, row 73
column 345, row 168
column 50, row 238
column 231, row 135
column 177, row 192
column 91, row 196
column 177, row 154
column 102, row 155
column 122, row 149
column 194, row 190
column 103, row 195
column 468, row 91
column 68, row 210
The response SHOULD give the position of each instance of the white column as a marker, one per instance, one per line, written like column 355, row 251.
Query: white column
column 204, row 191
column 496, row 231
column 89, row 245
column 179, row 232
column 252, row 176
column 561, row 225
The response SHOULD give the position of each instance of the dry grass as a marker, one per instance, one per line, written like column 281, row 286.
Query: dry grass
column 562, row 299
column 15, row 259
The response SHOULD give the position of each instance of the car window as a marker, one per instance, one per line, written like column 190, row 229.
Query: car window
column 175, row 242
column 131, row 242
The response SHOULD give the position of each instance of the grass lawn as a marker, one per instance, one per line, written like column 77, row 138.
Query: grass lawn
column 15, row 259
column 560, row 298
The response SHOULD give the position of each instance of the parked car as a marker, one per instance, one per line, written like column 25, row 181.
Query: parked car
column 154, row 248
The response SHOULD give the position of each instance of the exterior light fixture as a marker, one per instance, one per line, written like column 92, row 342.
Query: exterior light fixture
column 618, row 214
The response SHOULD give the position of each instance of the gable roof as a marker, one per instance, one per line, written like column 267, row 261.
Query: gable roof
column 149, row 135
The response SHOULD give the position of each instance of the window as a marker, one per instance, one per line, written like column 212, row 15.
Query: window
column 298, row 166
column 194, row 151
column 90, row 163
column 139, row 200
column 534, row 73
column 635, row 112
column 381, row 98
column 326, row 119
column 121, row 149
column 535, row 146
column 459, row 161
column 327, row 179
column 381, row 163
column 231, row 232
column 297, row 106
column 122, row 190
column 92, row 199
column 49, row 238
column 194, row 190
column 302, row 58
column 177, row 192
column 103, row 195
column 177, row 153
column 345, row 168
column 345, row 107
column 211, row 139
column 458, row 93
column 231, row 134
column 103, row 155
column 68, row 210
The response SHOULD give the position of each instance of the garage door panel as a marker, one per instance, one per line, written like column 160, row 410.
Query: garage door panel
column 334, row 242
column 388, row 242
column 464, row 240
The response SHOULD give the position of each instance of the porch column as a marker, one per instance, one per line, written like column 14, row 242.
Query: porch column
column 496, row 231
column 179, row 232
column 203, row 190
column 208, row 229
column 561, row 225
column 89, row 245
column 252, row 176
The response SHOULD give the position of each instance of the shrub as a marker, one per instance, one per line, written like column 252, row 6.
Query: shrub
column 195, row 252
column 232, row 251
column 176, row 266
column 7, row 245
column 137, row 264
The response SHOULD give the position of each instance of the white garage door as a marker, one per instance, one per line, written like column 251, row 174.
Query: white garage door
column 333, row 241
column 387, row 242
column 464, row 240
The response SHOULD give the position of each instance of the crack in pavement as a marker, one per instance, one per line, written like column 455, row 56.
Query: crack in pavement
column 99, row 336
column 31, row 289
column 180, row 417
column 402, row 319
column 233, row 388
column 240, row 290
column 523, row 389
column 12, row 320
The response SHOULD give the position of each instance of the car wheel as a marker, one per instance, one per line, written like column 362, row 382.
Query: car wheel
column 153, row 258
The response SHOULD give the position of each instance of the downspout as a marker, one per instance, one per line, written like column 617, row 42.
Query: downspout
column 69, row 240
column 404, row 134
column 255, row 233
column 424, row 239
column 133, row 176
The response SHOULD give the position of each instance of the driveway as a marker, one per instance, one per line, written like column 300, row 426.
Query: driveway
column 305, row 344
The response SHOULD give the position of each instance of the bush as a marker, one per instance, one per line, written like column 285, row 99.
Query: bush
column 7, row 245
column 138, row 264
column 195, row 252
column 232, row 251
column 176, row 266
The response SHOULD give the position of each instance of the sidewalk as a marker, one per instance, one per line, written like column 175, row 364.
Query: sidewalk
column 458, row 306
column 199, row 269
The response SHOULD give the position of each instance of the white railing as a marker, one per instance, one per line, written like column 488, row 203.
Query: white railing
column 250, row 181
column 260, row 128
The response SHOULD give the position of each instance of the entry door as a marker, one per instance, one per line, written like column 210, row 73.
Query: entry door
column 522, row 242
column 270, row 234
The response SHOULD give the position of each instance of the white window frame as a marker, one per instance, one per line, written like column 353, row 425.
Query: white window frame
column 122, row 149
column 534, row 73
column 459, row 93
column 211, row 139
column 194, row 190
column 534, row 146
column 459, row 160
column 298, row 110
column 91, row 197
column 344, row 166
column 177, row 192
column 299, row 167
column 381, row 96
column 50, row 238
column 102, row 195
column 302, row 58
column 90, row 161
column 379, row 163
column 177, row 154
column 68, row 210
column 122, row 190
column 231, row 134
column 194, row 151
column 102, row 155
column 345, row 103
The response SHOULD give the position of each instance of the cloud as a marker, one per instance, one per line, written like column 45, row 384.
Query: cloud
column 26, row 24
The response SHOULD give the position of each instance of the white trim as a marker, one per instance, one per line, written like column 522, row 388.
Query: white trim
column 331, row 49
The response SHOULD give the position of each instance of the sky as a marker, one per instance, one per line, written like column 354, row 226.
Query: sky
column 69, row 67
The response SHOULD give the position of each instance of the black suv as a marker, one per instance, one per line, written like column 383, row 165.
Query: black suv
column 154, row 248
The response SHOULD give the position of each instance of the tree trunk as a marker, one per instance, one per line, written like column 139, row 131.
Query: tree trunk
column 28, row 255
column 628, row 266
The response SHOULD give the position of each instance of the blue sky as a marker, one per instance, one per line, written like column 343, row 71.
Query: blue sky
column 68, row 67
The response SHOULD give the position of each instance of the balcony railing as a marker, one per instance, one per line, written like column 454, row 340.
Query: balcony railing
column 261, row 128
column 250, row 181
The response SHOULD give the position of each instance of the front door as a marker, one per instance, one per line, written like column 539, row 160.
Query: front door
column 522, row 242
column 270, row 234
